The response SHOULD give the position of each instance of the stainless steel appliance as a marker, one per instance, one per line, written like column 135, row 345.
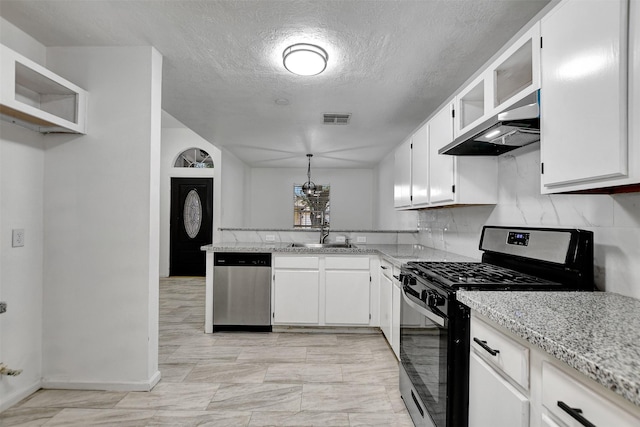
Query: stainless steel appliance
column 434, row 354
column 241, row 291
column 501, row 133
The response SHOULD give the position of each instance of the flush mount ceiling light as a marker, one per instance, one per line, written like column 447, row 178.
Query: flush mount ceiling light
column 309, row 188
column 305, row 59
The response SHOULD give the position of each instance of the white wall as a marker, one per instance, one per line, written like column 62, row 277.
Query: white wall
column 387, row 217
column 352, row 203
column 614, row 220
column 235, row 193
column 16, row 39
column 21, row 193
column 174, row 141
column 21, row 275
column 101, row 202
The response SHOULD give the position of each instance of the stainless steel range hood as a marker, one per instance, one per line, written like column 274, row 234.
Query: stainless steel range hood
column 504, row 132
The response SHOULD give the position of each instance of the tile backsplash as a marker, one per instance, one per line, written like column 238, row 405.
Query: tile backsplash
column 614, row 220
column 370, row 237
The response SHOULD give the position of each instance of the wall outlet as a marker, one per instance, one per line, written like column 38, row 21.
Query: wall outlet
column 270, row 238
column 341, row 239
column 362, row 239
column 17, row 238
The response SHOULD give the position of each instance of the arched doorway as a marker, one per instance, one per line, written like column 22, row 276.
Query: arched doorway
column 191, row 216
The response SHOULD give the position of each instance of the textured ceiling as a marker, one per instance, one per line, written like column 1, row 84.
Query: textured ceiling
column 391, row 63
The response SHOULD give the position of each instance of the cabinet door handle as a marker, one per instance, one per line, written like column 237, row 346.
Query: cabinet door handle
column 383, row 267
column 484, row 345
column 575, row 413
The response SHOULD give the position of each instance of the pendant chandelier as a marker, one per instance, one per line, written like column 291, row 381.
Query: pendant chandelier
column 309, row 188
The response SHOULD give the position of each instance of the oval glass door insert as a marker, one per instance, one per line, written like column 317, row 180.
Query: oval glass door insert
column 192, row 214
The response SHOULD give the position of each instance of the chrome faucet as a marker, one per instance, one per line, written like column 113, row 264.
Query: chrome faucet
column 323, row 233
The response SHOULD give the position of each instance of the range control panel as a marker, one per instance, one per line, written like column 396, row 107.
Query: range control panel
column 517, row 238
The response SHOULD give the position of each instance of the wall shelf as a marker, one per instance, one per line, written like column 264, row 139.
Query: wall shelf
column 36, row 98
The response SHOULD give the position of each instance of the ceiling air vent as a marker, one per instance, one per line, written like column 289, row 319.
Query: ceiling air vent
column 336, row 119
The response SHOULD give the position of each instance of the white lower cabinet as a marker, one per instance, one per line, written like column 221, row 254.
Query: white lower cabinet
column 385, row 303
column 321, row 290
column 545, row 421
column 573, row 403
column 347, row 297
column 517, row 388
column 296, row 290
column 396, row 303
column 493, row 401
column 390, row 298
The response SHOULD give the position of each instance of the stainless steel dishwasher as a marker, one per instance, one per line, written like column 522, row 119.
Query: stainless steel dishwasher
column 241, row 291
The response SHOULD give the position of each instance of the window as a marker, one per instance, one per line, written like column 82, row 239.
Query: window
column 310, row 210
column 194, row 158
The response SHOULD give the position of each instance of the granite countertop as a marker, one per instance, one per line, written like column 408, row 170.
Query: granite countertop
column 396, row 254
column 597, row 333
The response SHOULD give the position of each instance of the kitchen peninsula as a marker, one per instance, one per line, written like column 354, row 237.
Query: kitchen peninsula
column 371, row 254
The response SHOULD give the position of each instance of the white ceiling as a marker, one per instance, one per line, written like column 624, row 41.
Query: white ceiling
column 391, row 63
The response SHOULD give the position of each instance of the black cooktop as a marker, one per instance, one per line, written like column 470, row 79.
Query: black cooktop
column 474, row 274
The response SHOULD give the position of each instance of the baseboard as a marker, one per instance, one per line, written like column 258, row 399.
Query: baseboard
column 13, row 398
column 328, row 329
column 103, row 386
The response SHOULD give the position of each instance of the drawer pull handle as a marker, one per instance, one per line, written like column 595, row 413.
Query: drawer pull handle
column 575, row 413
column 484, row 345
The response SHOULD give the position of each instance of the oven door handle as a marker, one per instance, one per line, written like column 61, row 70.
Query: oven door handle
column 438, row 320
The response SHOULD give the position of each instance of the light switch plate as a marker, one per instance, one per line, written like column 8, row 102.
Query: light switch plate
column 362, row 239
column 17, row 236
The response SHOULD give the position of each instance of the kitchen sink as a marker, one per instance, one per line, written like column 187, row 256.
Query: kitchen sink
column 322, row 245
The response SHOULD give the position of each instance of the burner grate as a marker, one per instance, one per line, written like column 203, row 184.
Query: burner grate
column 461, row 273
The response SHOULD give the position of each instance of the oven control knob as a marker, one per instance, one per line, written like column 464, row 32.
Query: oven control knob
column 434, row 299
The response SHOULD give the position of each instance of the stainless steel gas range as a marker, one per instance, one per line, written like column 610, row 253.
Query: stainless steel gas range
column 434, row 351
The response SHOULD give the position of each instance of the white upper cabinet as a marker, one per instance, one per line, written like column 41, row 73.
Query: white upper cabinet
column 423, row 178
column 472, row 104
column 420, row 169
column 36, row 98
column 512, row 76
column 516, row 73
column 441, row 184
column 402, row 175
column 634, row 92
column 584, row 100
column 438, row 179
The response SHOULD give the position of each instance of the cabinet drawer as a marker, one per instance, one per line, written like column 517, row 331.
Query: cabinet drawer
column 501, row 351
column 347, row 263
column 560, row 389
column 386, row 268
column 307, row 262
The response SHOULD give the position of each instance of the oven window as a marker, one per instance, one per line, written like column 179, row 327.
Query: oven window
column 423, row 352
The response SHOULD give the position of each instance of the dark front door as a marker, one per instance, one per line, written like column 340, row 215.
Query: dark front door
column 191, row 225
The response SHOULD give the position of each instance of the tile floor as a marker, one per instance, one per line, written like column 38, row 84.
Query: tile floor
column 237, row 379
